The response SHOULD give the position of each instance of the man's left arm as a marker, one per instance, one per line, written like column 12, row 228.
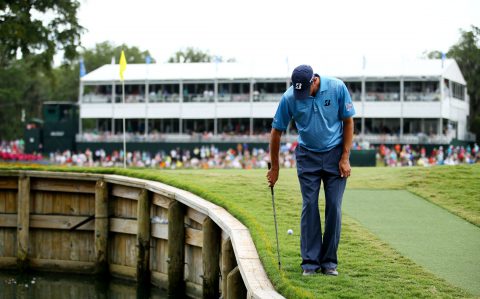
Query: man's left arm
column 344, row 164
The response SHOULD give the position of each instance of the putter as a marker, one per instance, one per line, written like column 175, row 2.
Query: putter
column 275, row 219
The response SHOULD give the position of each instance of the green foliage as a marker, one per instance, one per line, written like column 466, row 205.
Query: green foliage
column 25, row 86
column 20, row 89
column 467, row 54
column 432, row 54
column 190, row 55
column 65, row 80
column 36, row 31
column 39, row 39
column 103, row 53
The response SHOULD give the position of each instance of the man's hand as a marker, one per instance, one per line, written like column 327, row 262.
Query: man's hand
column 344, row 167
column 272, row 176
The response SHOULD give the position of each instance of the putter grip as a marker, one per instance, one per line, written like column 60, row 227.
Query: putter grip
column 270, row 166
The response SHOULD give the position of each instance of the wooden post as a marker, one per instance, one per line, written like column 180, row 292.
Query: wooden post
column 228, row 264
column 235, row 286
column 143, row 238
column 176, row 250
column 101, row 227
column 211, row 258
column 23, row 221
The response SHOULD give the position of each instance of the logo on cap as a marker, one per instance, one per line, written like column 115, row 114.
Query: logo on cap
column 302, row 78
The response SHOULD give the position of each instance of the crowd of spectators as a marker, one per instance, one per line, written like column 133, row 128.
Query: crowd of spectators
column 241, row 157
column 407, row 155
column 14, row 151
column 203, row 157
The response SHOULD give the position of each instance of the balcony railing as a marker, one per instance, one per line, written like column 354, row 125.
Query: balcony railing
column 234, row 97
column 164, row 98
column 422, row 97
column 177, row 138
column 97, row 98
column 257, row 97
column 263, row 138
column 130, row 98
column 405, row 139
column 199, row 98
column 382, row 96
column 267, row 97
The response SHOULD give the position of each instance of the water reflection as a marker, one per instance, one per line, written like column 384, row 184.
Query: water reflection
column 40, row 285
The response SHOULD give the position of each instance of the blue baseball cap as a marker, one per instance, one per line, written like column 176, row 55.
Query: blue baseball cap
column 302, row 78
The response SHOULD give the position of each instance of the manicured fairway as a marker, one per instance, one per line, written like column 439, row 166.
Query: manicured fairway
column 441, row 242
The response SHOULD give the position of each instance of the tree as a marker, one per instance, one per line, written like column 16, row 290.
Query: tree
column 21, row 32
column 432, row 54
column 104, row 52
column 25, row 87
column 20, row 90
column 34, row 31
column 190, row 55
column 66, row 77
column 467, row 54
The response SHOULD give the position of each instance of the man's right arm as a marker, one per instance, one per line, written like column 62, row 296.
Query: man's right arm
column 272, row 174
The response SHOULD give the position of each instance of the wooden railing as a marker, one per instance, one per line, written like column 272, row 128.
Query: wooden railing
column 135, row 229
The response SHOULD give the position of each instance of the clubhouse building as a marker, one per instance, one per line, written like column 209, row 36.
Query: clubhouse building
column 409, row 102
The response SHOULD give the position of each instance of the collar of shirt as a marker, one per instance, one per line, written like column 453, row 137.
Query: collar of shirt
column 323, row 84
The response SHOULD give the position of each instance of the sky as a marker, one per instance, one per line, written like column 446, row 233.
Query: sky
column 254, row 31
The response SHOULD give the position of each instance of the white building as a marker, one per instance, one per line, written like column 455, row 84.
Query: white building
column 421, row 101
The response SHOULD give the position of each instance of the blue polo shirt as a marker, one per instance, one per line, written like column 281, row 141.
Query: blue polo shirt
column 319, row 119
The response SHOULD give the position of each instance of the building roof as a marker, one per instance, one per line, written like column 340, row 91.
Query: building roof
column 418, row 68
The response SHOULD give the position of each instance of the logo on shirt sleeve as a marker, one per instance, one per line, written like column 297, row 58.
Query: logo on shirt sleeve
column 348, row 106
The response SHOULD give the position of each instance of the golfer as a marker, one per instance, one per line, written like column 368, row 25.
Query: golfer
column 322, row 110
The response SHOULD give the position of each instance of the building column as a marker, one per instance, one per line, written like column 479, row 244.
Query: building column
column 251, row 106
column 215, row 125
column 113, row 107
column 362, row 97
column 181, row 110
column 402, row 93
column 147, row 100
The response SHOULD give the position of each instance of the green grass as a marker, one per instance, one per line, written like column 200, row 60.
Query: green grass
column 368, row 266
column 456, row 189
column 439, row 241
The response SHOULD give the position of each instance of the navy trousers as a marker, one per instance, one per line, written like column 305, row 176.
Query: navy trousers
column 312, row 169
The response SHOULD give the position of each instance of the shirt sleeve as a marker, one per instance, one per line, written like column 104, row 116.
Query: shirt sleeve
column 346, row 108
column 282, row 116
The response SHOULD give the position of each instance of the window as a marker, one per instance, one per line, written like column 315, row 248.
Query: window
column 355, row 89
column 268, row 91
column 458, row 91
column 164, row 93
column 236, row 92
column 426, row 91
column 382, row 91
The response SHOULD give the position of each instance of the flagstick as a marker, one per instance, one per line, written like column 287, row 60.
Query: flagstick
column 124, row 141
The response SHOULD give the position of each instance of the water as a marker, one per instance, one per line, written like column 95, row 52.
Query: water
column 53, row 285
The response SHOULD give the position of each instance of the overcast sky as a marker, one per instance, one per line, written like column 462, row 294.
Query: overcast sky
column 252, row 31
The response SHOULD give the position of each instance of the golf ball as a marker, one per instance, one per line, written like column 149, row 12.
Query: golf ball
column 290, row 232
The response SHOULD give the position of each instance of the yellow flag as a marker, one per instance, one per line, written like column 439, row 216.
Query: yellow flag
column 123, row 65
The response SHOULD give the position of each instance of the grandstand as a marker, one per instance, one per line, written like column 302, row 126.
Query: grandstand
column 407, row 102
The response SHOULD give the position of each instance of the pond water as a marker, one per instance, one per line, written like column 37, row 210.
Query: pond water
column 40, row 285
